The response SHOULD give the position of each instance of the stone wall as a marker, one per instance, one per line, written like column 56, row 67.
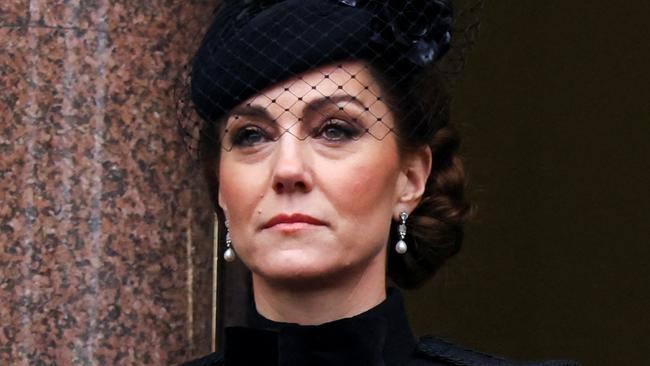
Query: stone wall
column 105, row 232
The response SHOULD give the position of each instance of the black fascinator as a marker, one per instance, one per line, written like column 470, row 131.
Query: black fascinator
column 254, row 44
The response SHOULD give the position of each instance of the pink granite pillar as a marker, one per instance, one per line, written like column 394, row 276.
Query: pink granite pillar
column 105, row 249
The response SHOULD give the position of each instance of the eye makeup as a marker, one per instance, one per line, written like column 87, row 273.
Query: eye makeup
column 334, row 120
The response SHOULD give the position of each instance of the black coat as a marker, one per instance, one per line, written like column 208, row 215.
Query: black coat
column 379, row 337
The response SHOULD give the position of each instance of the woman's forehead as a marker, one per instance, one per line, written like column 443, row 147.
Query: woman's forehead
column 351, row 78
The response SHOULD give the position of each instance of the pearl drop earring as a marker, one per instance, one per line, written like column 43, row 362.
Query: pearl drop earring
column 401, row 246
column 229, row 254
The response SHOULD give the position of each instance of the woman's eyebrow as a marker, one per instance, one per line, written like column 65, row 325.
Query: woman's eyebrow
column 333, row 100
column 311, row 107
column 251, row 111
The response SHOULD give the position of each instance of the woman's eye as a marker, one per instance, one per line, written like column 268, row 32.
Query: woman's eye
column 248, row 136
column 336, row 130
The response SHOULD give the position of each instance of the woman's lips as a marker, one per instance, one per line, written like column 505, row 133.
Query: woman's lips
column 292, row 222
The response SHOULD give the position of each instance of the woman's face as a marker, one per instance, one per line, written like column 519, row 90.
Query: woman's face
column 310, row 176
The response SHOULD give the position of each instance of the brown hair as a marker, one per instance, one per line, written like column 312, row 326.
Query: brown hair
column 421, row 105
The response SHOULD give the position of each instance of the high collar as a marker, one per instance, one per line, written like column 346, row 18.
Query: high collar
column 380, row 336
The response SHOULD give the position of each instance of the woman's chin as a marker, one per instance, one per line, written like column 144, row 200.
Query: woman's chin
column 300, row 269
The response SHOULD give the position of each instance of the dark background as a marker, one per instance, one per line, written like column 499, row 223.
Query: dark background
column 554, row 108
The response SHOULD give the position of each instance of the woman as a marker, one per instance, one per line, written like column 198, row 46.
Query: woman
column 329, row 152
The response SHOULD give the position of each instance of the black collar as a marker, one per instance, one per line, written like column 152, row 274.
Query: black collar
column 380, row 336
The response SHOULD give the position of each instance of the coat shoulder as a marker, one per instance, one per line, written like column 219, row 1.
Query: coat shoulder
column 430, row 351
column 447, row 353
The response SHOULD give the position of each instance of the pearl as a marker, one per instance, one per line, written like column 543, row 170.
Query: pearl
column 229, row 255
column 401, row 247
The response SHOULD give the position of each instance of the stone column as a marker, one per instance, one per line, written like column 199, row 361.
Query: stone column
column 105, row 230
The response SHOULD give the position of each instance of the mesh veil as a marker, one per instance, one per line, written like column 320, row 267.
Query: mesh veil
column 391, row 54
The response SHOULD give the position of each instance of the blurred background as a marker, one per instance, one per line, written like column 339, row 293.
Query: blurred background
column 555, row 110
column 106, row 250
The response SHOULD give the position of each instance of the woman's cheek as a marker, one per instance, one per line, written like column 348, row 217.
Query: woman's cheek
column 237, row 188
column 364, row 187
column 360, row 185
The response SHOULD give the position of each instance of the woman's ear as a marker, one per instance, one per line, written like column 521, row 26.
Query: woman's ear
column 221, row 203
column 416, row 167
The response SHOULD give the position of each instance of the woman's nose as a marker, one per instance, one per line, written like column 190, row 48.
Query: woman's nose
column 292, row 171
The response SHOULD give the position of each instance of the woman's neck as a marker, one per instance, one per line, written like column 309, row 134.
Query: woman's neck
column 318, row 302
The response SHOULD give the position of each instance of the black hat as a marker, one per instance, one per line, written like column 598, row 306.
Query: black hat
column 251, row 45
